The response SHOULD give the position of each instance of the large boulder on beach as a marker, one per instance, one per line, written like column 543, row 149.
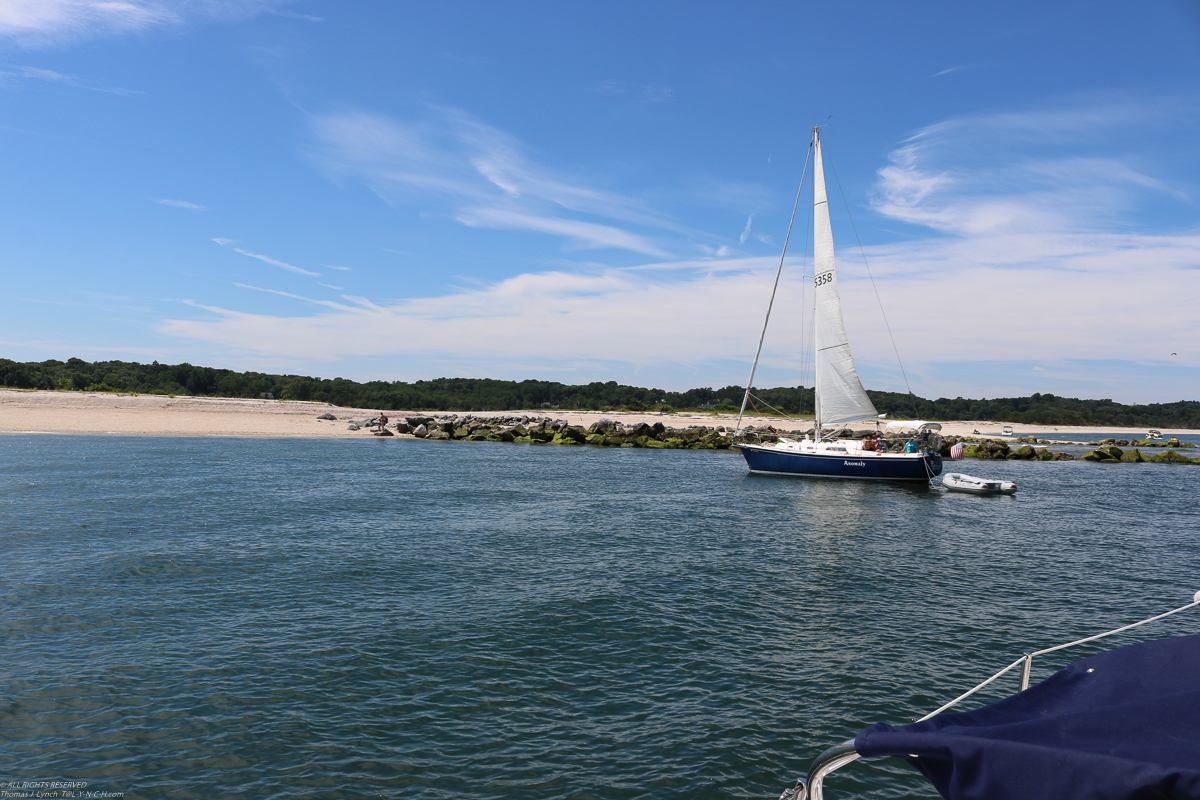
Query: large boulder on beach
column 420, row 431
column 602, row 425
column 327, row 416
column 402, row 427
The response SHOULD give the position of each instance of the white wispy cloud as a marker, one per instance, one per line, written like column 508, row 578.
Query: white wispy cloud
column 190, row 207
column 657, row 93
column 276, row 262
column 45, row 20
column 483, row 178
column 297, row 15
column 946, row 71
column 51, row 22
column 561, row 315
column 582, row 234
column 340, row 269
column 15, row 74
column 1063, row 168
column 746, row 230
column 302, row 298
column 225, row 242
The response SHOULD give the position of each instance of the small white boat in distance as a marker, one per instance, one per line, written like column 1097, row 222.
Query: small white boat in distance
column 958, row 482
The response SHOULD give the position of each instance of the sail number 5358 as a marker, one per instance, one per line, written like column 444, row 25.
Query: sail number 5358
column 823, row 278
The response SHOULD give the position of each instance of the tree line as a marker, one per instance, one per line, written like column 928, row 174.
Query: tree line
column 485, row 394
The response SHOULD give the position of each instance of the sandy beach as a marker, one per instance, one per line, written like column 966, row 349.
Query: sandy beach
column 157, row 415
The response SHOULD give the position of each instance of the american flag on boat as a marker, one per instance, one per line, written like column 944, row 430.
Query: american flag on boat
column 956, row 452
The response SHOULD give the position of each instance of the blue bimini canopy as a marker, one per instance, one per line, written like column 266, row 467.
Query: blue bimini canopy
column 1122, row 724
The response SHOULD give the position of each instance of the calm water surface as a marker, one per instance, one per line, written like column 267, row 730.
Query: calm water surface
column 275, row 618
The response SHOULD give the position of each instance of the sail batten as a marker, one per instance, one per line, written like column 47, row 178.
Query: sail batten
column 840, row 397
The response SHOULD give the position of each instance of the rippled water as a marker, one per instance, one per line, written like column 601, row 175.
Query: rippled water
column 274, row 618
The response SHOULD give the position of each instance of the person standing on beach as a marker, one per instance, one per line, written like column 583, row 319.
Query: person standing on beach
column 381, row 421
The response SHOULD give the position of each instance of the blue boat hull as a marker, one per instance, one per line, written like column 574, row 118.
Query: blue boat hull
column 898, row 467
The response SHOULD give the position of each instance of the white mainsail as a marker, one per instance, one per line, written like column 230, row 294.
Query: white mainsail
column 840, row 395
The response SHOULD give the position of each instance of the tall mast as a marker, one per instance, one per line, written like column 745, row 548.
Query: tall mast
column 840, row 396
column 818, row 171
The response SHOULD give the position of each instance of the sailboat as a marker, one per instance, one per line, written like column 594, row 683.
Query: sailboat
column 840, row 397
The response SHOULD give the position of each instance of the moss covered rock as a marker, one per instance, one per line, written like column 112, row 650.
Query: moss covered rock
column 1132, row 457
column 1170, row 457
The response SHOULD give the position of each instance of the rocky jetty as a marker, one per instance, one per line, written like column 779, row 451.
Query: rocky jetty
column 547, row 430
column 1112, row 454
column 1173, row 444
column 610, row 433
column 1002, row 450
column 1109, row 451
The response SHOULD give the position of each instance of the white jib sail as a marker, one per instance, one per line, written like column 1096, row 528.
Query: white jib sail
column 840, row 395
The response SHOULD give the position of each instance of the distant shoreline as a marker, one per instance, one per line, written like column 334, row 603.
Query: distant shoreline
column 47, row 411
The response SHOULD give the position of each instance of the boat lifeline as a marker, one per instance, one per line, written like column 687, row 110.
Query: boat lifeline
column 840, row 397
column 1120, row 725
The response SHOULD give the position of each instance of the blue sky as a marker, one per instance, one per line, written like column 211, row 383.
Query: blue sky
column 578, row 193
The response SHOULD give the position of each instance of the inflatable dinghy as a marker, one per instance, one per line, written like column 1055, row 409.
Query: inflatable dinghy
column 957, row 482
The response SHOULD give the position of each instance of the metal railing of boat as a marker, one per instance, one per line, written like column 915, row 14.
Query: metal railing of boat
column 812, row 786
